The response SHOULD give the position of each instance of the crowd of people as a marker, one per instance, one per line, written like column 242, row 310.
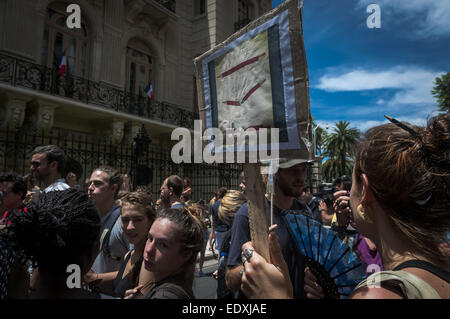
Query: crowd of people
column 393, row 212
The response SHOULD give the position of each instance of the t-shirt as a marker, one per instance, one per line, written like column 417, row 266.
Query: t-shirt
column 117, row 244
column 240, row 234
column 219, row 225
column 371, row 259
column 171, row 288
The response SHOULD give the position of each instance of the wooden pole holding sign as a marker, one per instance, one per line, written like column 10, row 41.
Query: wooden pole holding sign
column 257, row 213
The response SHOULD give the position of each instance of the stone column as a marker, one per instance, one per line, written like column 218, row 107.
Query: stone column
column 117, row 131
column 12, row 112
column 40, row 115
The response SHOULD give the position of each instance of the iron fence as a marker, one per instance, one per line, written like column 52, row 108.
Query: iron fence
column 149, row 165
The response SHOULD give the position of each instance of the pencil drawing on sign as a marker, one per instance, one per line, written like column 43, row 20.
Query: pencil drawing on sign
column 244, row 94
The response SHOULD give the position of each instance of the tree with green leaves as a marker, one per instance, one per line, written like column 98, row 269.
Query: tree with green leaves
column 320, row 136
column 340, row 148
column 441, row 91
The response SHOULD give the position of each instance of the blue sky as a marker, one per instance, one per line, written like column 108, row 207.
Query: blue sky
column 359, row 74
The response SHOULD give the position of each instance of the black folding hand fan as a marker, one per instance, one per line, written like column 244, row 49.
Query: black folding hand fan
column 337, row 269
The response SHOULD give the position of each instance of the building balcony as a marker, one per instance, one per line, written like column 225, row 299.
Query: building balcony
column 26, row 75
column 158, row 12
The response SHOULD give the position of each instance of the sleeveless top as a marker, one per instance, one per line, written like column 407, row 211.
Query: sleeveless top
column 121, row 285
column 410, row 285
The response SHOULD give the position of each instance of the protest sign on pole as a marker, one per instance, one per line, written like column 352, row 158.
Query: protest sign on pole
column 257, row 79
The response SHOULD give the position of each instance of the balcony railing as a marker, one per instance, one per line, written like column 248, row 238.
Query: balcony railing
column 19, row 73
column 168, row 4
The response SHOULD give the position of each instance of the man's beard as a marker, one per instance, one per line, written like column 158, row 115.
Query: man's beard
column 40, row 176
column 164, row 199
column 288, row 191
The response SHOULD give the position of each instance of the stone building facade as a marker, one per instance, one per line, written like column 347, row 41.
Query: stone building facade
column 121, row 48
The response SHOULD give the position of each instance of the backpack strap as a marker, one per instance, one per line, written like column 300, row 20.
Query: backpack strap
column 410, row 285
column 422, row 264
column 104, row 239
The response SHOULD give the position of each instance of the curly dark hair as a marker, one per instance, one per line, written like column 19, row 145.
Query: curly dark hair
column 57, row 231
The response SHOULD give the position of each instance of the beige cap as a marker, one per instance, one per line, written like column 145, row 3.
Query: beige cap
column 289, row 162
column 282, row 162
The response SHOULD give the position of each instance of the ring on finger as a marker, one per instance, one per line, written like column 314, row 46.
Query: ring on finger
column 243, row 260
column 248, row 253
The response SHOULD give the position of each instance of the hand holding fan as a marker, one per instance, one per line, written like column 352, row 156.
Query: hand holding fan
column 337, row 269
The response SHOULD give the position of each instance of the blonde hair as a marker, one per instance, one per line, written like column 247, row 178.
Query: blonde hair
column 230, row 204
column 196, row 211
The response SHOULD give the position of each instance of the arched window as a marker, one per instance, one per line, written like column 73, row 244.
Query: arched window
column 59, row 39
column 139, row 68
column 245, row 14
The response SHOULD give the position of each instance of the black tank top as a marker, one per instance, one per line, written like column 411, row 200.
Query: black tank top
column 439, row 272
column 121, row 285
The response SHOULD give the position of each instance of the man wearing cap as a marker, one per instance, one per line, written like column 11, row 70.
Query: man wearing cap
column 289, row 184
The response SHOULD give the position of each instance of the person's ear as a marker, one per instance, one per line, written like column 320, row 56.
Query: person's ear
column 114, row 187
column 186, row 255
column 366, row 193
column 171, row 191
column 54, row 165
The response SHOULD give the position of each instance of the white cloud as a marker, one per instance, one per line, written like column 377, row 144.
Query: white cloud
column 329, row 126
column 414, row 84
column 363, row 126
column 426, row 18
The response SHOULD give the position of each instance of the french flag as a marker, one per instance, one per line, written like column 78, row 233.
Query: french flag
column 149, row 91
column 63, row 65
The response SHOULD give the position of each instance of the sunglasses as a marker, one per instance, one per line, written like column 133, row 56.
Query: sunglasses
column 35, row 164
